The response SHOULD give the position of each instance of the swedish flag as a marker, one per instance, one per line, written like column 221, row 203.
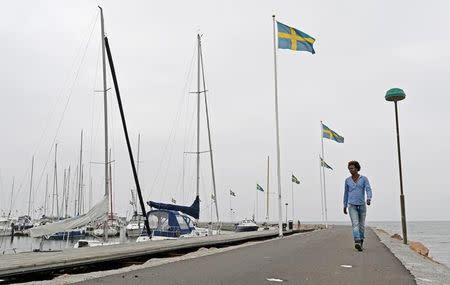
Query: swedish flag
column 324, row 164
column 330, row 134
column 290, row 38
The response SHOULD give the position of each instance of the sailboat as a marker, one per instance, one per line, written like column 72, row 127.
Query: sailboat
column 171, row 221
column 6, row 222
column 100, row 210
column 136, row 224
column 5, row 226
column 106, row 47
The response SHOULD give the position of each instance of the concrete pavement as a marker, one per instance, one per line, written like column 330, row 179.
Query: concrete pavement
column 320, row 257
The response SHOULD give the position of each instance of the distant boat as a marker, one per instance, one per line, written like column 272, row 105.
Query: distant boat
column 5, row 226
column 23, row 226
column 113, row 228
column 135, row 226
column 246, row 226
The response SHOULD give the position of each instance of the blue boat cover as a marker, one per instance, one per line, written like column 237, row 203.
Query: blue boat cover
column 193, row 210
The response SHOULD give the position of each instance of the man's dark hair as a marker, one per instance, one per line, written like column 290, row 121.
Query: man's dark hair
column 355, row 164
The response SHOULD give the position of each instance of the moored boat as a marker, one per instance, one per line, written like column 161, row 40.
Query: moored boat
column 246, row 226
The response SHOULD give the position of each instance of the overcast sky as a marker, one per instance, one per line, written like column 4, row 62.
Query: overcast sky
column 50, row 56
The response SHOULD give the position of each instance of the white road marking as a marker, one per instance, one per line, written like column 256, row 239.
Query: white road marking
column 346, row 266
column 274, row 280
column 424, row 279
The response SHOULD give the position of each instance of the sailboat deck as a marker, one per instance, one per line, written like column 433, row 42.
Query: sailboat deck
column 30, row 262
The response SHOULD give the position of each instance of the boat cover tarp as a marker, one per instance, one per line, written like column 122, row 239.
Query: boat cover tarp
column 100, row 210
column 193, row 210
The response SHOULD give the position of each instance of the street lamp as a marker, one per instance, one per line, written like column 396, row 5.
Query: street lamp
column 395, row 95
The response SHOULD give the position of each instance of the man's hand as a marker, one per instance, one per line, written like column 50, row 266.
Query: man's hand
column 345, row 210
column 368, row 202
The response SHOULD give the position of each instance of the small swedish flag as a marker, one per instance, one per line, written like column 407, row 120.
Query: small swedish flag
column 324, row 164
column 259, row 188
column 290, row 38
column 295, row 180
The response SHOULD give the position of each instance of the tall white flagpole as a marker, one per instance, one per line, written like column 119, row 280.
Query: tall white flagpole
column 231, row 209
column 324, row 184
column 280, row 213
column 267, row 189
column 292, row 184
column 256, row 218
column 321, row 188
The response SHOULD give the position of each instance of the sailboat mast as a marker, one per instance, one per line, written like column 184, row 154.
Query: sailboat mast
column 12, row 195
column 46, row 196
column 67, row 193
column 82, row 198
column 138, row 153
column 267, row 187
column 198, row 117
column 105, row 100
column 75, row 194
column 137, row 170
column 31, row 186
column 64, row 192
column 79, row 175
column 55, row 187
column 105, row 104
column 110, row 187
column 209, row 134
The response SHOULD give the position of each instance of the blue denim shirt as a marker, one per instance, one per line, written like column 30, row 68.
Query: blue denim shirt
column 354, row 192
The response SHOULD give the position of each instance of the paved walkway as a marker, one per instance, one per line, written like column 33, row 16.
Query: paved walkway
column 322, row 257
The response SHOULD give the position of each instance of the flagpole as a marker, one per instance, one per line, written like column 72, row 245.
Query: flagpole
column 321, row 187
column 292, row 188
column 324, row 182
column 267, row 210
column 280, row 214
column 256, row 218
column 231, row 209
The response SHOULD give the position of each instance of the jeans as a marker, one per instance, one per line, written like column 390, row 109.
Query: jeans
column 358, row 216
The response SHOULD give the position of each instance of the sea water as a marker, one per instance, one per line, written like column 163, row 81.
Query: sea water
column 27, row 244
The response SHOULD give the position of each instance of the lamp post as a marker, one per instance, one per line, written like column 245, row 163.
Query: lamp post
column 395, row 95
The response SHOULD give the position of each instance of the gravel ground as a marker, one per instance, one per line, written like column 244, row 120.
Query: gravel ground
column 425, row 270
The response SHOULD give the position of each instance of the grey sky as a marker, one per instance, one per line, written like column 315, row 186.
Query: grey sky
column 363, row 48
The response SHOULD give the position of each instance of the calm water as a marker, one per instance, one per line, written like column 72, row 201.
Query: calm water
column 23, row 244
column 434, row 235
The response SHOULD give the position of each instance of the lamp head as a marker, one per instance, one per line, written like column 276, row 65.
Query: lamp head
column 394, row 95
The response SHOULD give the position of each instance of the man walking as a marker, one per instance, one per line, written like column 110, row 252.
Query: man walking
column 356, row 186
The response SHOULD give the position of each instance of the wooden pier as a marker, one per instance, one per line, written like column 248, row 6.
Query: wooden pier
column 40, row 262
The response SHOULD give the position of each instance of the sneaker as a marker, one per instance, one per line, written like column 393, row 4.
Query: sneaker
column 358, row 245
